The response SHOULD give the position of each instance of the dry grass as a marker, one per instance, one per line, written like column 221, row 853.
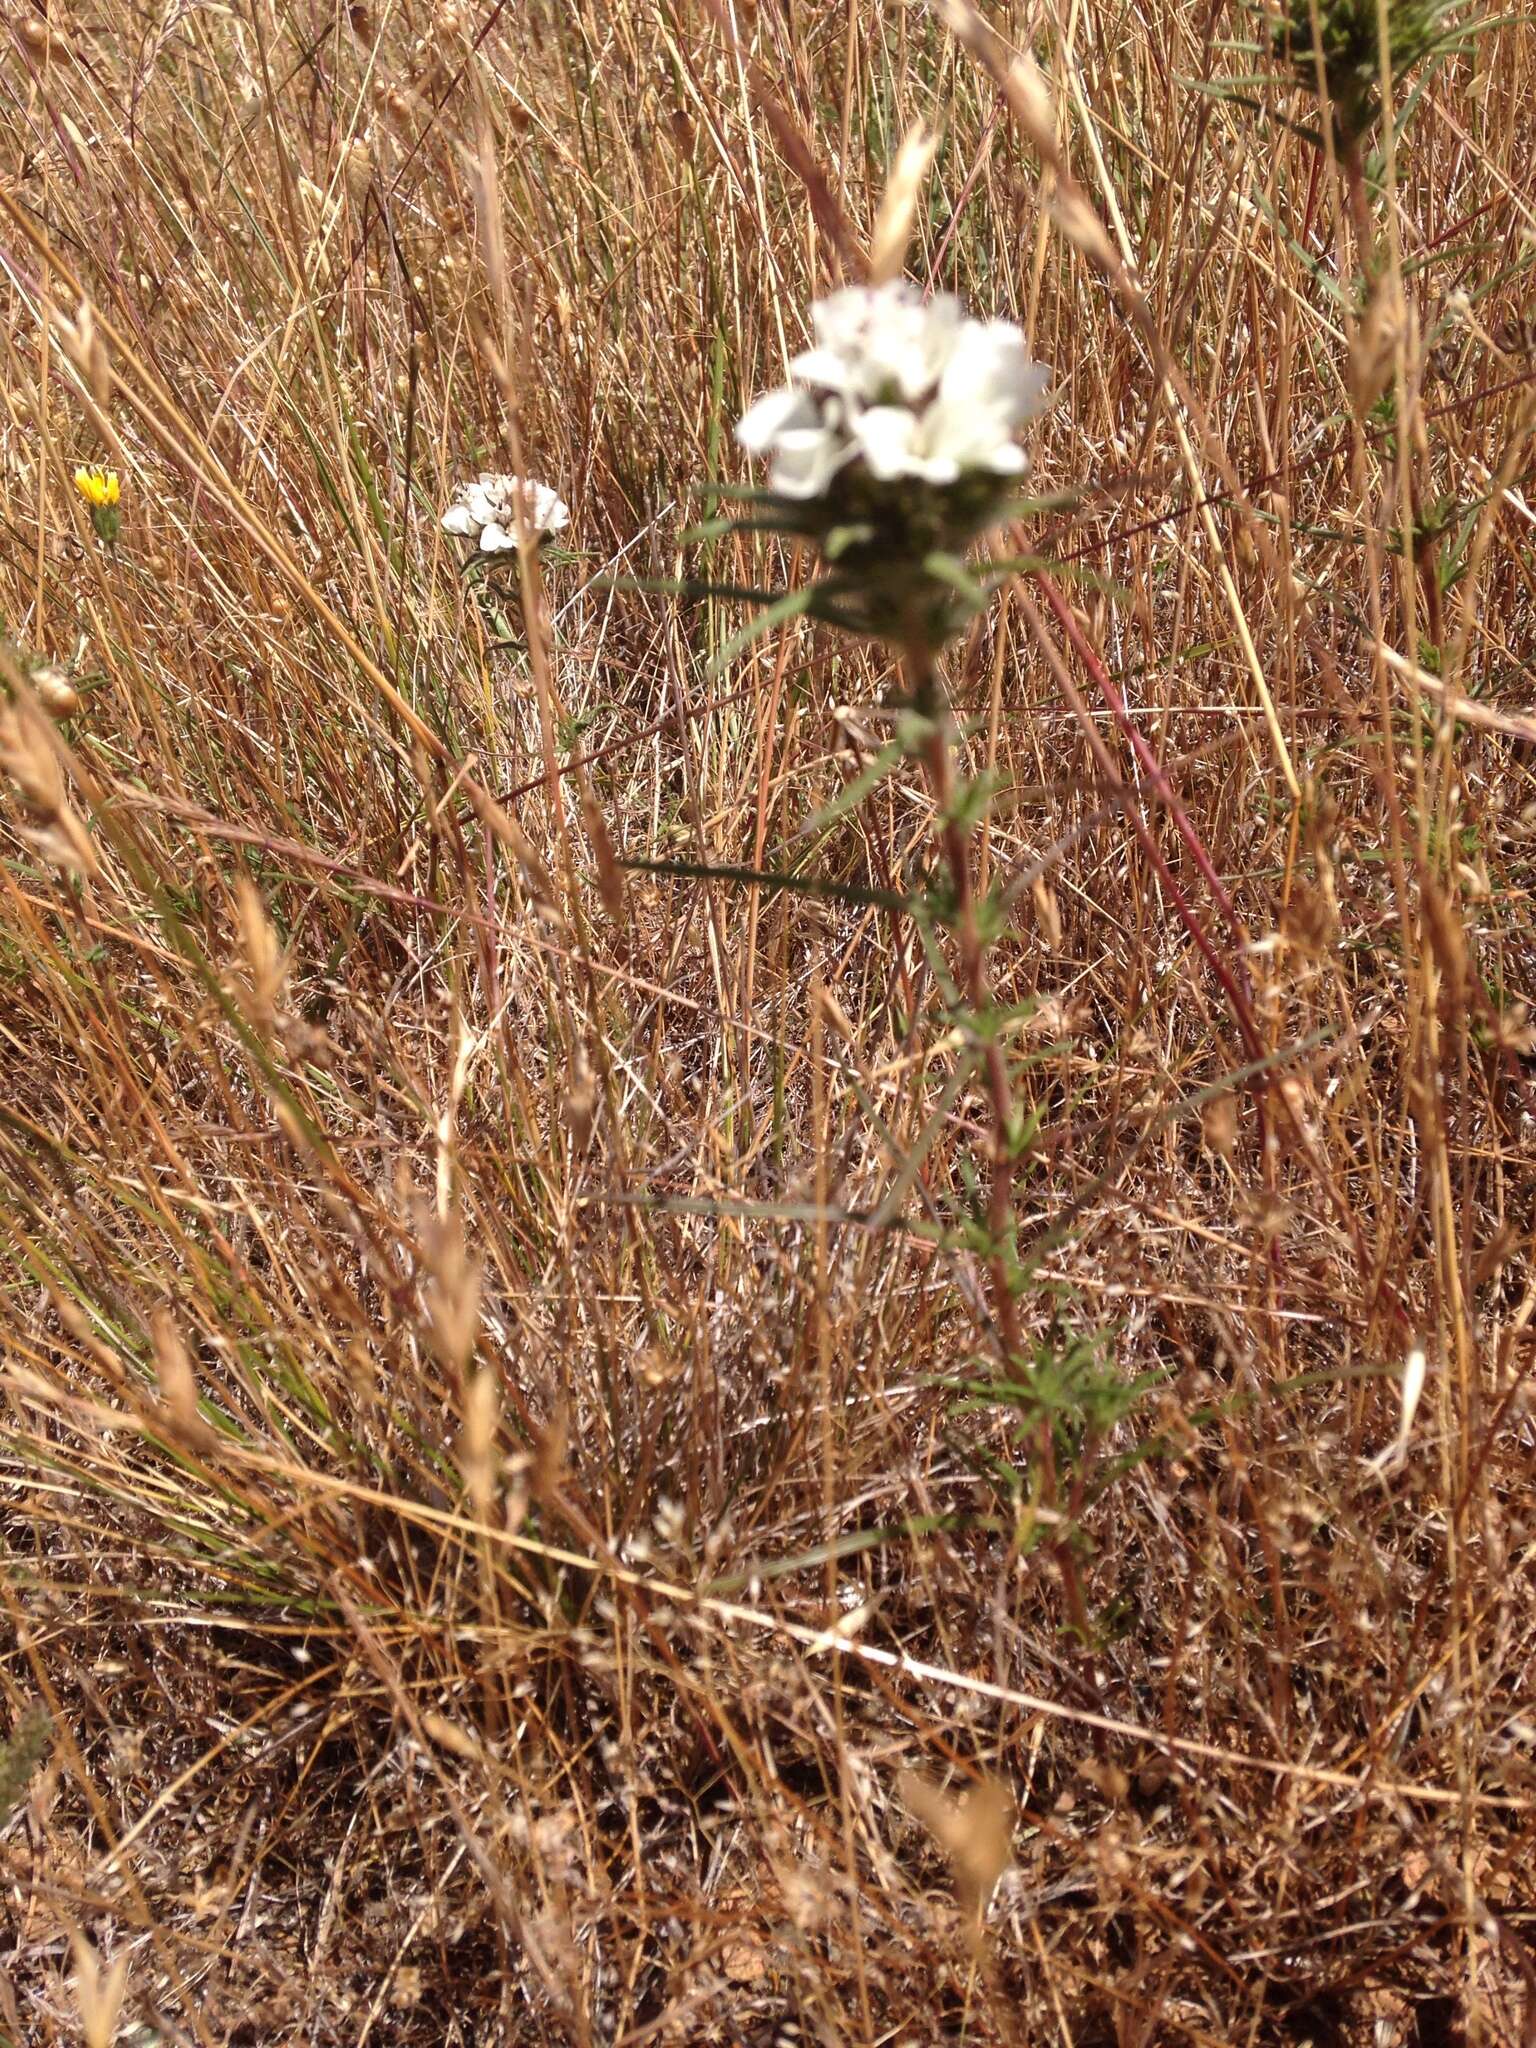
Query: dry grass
column 462, row 1352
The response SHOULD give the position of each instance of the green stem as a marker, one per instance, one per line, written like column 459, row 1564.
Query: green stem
column 954, row 837
column 930, row 702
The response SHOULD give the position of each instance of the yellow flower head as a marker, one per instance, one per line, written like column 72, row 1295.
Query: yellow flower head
column 98, row 487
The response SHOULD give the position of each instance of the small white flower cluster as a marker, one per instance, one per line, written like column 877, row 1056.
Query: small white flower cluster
column 486, row 512
column 906, row 387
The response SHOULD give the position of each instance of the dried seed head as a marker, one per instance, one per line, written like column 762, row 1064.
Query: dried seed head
column 1082, row 227
column 452, row 1291
column 477, row 1446
column 536, row 876
column 1218, row 1125
column 265, row 961
column 1447, row 936
column 453, row 1737
column 610, row 876
column 1047, row 912
column 1035, row 111
column 177, row 1380
column 1029, row 99
column 1515, row 1031
column 98, row 1993
column 657, row 1368
column 1373, row 350
column 29, row 757
column 975, row 1832
column 581, row 1099
column 357, row 165
column 55, row 692
column 898, row 206
column 87, row 351
column 30, row 762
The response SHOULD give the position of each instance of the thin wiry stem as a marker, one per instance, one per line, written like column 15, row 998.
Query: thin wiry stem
column 1233, row 977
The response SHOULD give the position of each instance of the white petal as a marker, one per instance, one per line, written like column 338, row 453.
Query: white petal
column 495, row 540
column 775, row 413
column 932, row 465
column 806, row 460
column 482, row 502
column 887, row 436
column 840, row 320
column 825, row 368
column 972, row 436
column 943, row 322
column 556, row 515
column 459, row 519
column 990, row 366
column 911, row 343
column 883, row 343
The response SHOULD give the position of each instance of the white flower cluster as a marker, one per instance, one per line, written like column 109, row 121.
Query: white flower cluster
column 486, row 512
column 907, row 387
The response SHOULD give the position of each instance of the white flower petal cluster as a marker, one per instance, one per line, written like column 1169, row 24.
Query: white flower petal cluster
column 486, row 511
column 906, row 386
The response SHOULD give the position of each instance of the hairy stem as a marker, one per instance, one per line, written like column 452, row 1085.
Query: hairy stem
column 955, row 835
column 954, row 838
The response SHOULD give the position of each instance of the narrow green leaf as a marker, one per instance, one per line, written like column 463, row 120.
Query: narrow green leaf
column 789, row 606
column 850, row 797
column 769, row 878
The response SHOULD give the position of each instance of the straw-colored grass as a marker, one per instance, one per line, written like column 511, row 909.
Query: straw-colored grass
column 496, row 1502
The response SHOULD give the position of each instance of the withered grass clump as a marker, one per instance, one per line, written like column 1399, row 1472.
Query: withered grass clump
column 514, row 1505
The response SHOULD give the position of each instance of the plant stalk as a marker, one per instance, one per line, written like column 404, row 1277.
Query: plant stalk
column 954, row 835
column 931, row 704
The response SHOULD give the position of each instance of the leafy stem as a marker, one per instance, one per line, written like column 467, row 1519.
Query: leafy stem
column 955, row 824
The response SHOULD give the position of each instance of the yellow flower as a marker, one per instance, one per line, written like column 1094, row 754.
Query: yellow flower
column 101, row 491
column 99, row 487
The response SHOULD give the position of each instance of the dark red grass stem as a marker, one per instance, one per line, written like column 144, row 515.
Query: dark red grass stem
column 1234, row 984
column 1083, row 648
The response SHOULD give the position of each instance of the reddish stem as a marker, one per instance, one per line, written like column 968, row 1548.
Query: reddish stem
column 1235, row 983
